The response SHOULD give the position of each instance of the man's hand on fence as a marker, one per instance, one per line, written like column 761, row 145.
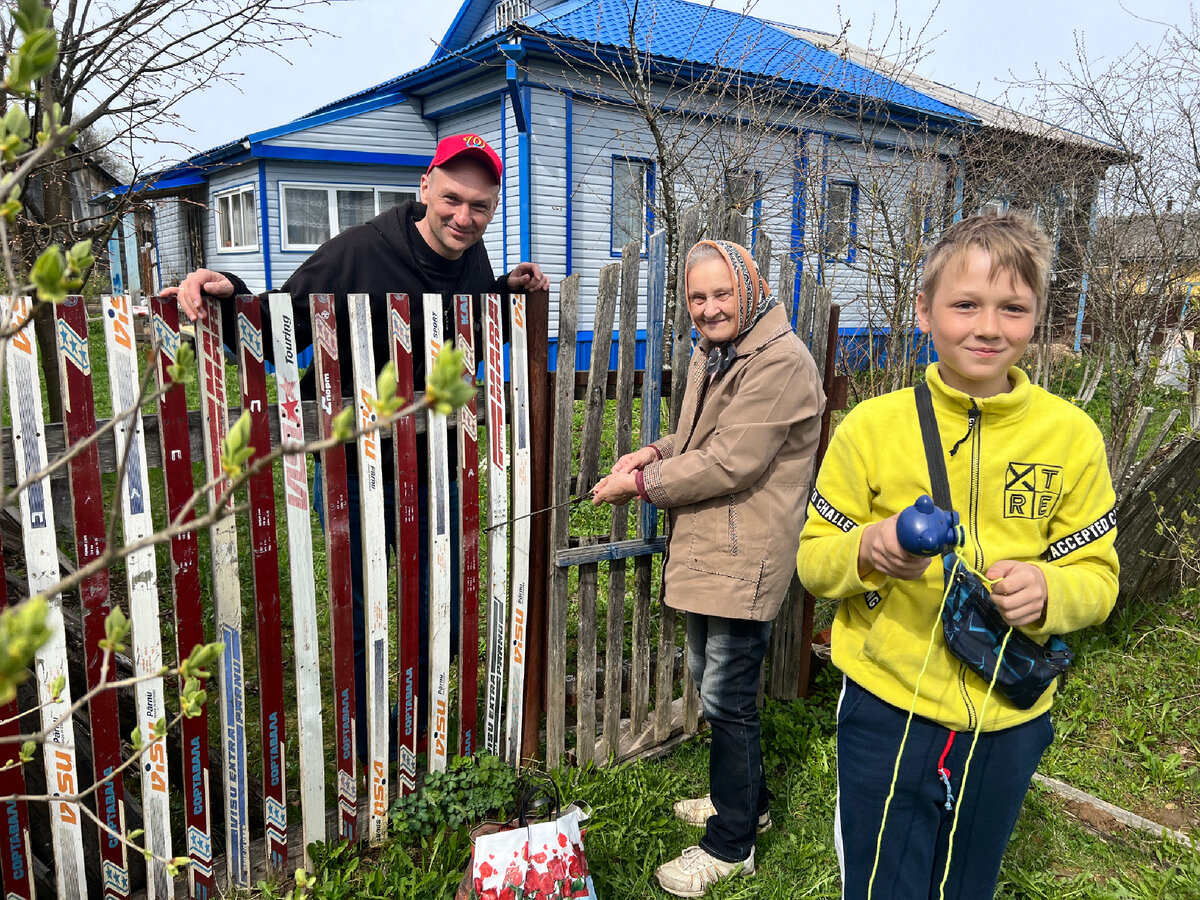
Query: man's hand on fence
column 192, row 289
column 527, row 278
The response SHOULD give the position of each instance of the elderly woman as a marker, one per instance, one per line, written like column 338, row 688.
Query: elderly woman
column 733, row 479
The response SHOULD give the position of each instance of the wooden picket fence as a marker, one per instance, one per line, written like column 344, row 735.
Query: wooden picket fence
column 609, row 701
column 237, row 824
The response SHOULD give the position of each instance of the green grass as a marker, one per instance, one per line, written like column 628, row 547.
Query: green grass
column 1127, row 731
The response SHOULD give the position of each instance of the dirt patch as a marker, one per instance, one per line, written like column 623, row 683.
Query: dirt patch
column 1094, row 818
column 1172, row 815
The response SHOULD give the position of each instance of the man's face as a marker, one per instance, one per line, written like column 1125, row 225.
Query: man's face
column 460, row 199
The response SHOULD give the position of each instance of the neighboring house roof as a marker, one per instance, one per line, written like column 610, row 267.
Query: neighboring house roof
column 989, row 114
column 1170, row 235
column 705, row 35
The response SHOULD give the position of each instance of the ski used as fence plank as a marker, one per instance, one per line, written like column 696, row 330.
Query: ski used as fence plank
column 374, row 556
column 306, row 639
column 468, row 536
column 42, row 571
column 16, row 860
column 268, row 632
column 336, row 514
column 176, row 457
column 438, row 512
column 142, row 585
column 408, row 555
column 560, row 515
column 519, row 382
column 497, row 558
column 681, row 326
column 79, row 420
column 227, row 598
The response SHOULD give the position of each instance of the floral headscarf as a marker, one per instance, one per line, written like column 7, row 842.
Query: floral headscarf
column 753, row 296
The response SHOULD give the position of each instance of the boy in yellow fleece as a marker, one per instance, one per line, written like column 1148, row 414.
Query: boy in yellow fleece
column 1029, row 478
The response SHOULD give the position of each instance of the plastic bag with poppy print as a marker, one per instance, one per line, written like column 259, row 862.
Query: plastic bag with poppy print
column 540, row 861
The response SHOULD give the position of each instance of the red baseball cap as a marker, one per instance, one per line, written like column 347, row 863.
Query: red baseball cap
column 459, row 144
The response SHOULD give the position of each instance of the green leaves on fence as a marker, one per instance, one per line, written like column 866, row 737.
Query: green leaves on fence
column 445, row 389
column 386, row 402
column 183, row 370
column 235, row 450
column 23, row 631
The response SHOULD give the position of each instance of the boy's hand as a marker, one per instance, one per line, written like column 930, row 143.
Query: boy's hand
column 631, row 462
column 879, row 550
column 1021, row 593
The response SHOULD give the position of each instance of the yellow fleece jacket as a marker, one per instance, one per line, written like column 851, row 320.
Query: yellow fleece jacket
column 1030, row 481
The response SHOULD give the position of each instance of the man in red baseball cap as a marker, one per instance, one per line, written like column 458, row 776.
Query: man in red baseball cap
column 418, row 248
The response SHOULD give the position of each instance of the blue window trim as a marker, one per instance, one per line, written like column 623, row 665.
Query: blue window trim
column 265, row 216
column 614, row 250
column 799, row 209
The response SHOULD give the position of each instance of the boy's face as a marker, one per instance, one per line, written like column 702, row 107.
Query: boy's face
column 980, row 326
column 712, row 302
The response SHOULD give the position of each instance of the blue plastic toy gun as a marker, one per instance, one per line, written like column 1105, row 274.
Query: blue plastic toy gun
column 925, row 530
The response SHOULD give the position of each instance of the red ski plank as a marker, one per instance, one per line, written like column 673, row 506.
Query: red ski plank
column 185, row 585
column 468, row 544
column 407, row 545
column 268, row 630
column 87, row 502
column 335, row 502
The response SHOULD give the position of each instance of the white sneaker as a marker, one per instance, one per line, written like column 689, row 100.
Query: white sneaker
column 697, row 812
column 695, row 870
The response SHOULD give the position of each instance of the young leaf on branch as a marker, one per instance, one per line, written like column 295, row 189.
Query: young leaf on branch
column 445, row 390
column 235, row 451
column 23, row 631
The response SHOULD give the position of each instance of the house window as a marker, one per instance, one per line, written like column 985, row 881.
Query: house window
column 840, row 225
column 632, row 194
column 237, row 229
column 313, row 213
column 509, row 11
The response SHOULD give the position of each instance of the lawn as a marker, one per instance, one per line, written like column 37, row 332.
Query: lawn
column 1128, row 724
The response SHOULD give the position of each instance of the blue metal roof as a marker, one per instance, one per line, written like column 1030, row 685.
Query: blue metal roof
column 708, row 36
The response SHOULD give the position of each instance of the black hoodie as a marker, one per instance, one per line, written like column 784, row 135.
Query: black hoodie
column 386, row 254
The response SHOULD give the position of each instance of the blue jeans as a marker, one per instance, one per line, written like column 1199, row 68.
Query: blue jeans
column 917, row 832
column 356, row 588
column 725, row 657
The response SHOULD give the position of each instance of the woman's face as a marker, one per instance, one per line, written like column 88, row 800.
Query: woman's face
column 712, row 301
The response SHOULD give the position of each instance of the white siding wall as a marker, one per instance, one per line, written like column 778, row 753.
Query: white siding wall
column 393, row 129
column 248, row 265
column 284, row 262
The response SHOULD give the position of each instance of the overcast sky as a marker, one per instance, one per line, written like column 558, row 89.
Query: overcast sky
column 971, row 45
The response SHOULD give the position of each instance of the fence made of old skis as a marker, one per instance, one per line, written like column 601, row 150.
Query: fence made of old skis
column 239, row 822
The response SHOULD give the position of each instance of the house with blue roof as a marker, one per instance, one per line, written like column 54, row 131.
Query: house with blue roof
column 611, row 117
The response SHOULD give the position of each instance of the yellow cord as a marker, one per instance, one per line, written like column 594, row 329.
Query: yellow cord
column 959, row 559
